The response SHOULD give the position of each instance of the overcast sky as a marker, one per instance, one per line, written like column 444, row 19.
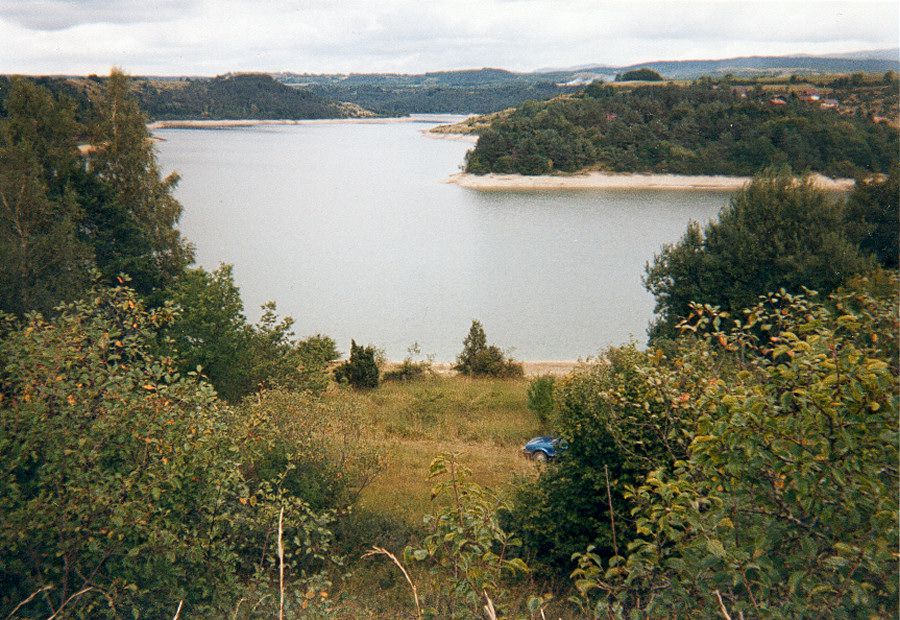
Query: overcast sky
column 206, row 37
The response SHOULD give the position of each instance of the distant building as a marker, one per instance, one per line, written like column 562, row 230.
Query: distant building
column 611, row 116
column 828, row 104
column 777, row 101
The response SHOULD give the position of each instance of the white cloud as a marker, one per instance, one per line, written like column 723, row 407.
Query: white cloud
column 215, row 36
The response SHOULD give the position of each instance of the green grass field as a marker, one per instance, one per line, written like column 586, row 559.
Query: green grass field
column 484, row 420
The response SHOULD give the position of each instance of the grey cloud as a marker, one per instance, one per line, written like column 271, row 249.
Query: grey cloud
column 50, row 15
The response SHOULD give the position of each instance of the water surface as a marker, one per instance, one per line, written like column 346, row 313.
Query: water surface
column 353, row 231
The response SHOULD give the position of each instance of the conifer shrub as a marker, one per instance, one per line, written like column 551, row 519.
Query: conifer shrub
column 361, row 371
column 478, row 358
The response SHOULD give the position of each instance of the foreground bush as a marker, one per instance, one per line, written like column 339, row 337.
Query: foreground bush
column 622, row 417
column 785, row 502
column 212, row 332
column 123, row 486
column 775, row 233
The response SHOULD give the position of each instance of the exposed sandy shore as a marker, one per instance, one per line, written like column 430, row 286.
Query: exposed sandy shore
column 606, row 180
column 224, row 124
column 532, row 369
column 459, row 137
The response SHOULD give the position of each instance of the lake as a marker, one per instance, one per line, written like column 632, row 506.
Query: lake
column 353, row 231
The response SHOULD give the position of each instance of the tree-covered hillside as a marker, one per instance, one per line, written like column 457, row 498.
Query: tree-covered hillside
column 399, row 100
column 706, row 127
column 255, row 96
column 246, row 96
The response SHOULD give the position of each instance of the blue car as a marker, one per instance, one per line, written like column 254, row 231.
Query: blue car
column 544, row 448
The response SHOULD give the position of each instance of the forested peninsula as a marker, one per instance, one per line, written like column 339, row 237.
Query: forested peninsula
column 846, row 127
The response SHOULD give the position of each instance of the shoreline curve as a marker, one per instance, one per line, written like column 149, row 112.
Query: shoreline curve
column 621, row 181
column 254, row 122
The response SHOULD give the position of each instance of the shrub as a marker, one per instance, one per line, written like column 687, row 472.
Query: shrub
column 314, row 447
column 361, row 371
column 211, row 332
column 123, row 479
column 409, row 369
column 466, row 548
column 785, row 503
column 480, row 359
column 873, row 209
column 622, row 416
column 775, row 233
column 540, row 397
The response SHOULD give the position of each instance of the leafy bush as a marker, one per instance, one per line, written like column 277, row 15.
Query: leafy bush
column 775, row 233
column 873, row 210
column 124, row 489
column 622, row 416
column 361, row 371
column 785, row 503
column 467, row 550
column 540, row 397
column 211, row 332
column 409, row 369
column 316, row 447
column 480, row 359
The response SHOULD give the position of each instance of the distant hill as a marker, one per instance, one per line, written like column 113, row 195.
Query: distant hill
column 759, row 65
column 879, row 60
column 481, row 91
column 240, row 96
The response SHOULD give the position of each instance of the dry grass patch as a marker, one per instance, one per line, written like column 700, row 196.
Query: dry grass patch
column 485, row 420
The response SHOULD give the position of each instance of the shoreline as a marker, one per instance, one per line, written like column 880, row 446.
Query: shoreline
column 533, row 368
column 255, row 122
column 621, row 181
column 446, row 135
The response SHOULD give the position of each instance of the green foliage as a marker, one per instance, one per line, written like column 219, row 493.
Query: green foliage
column 212, row 332
column 233, row 96
column 639, row 75
column 872, row 216
column 123, row 487
column 361, row 371
column 468, row 551
column 785, row 503
column 623, row 416
column 540, row 397
column 701, row 128
column 42, row 260
column 775, row 233
column 125, row 166
column 314, row 447
column 62, row 215
column 480, row 359
column 409, row 369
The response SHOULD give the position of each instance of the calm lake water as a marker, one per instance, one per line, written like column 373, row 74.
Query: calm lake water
column 353, row 231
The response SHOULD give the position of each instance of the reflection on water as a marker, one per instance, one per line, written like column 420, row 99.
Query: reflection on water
column 353, row 231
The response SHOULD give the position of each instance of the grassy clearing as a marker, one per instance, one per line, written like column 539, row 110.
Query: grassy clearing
column 484, row 420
